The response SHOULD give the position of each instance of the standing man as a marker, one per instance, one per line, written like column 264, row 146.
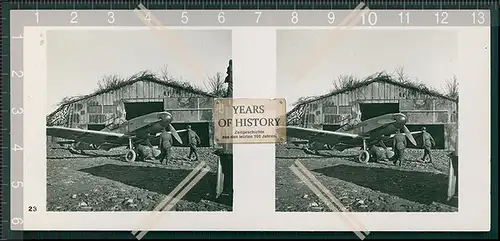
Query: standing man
column 399, row 146
column 193, row 141
column 428, row 143
column 165, row 146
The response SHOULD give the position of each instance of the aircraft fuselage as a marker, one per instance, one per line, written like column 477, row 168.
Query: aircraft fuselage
column 144, row 125
column 376, row 129
column 140, row 127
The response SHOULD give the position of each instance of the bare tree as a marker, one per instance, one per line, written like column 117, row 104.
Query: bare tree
column 401, row 76
column 108, row 81
column 451, row 87
column 344, row 81
column 215, row 85
column 165, row 74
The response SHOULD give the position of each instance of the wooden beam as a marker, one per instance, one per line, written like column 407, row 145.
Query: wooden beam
column 433, row 110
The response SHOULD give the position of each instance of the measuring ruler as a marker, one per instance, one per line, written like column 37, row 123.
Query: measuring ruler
column 12, row 130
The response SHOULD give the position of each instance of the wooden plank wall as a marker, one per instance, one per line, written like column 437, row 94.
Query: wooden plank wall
column 420, row 107
column 106, row 103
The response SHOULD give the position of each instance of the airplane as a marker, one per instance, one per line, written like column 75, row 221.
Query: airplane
column 132, row 133
column 370, row 135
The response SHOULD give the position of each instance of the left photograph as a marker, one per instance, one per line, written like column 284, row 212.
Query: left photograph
column 129, row 119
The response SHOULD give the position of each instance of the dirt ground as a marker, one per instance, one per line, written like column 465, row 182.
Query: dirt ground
column 374, row 187
column 103, row 181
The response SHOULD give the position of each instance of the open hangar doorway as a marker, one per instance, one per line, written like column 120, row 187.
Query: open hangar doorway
column 136, row 109
column 370, row 110
column 201, row 128
column 95, row 127
column 436, row 131
column 331, row 127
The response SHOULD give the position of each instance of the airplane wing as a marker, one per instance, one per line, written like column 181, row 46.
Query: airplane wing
column 322, row 136
column 87, row 136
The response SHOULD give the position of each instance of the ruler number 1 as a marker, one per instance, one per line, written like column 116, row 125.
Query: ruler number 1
column 37, row 16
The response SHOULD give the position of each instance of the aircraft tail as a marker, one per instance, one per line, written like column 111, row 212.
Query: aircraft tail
column 341, row 147
column 66, row 142
column 297, row 142
column 80, row 146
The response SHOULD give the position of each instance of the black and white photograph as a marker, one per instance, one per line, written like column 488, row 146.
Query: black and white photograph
column 129, row 119
column 372, row 119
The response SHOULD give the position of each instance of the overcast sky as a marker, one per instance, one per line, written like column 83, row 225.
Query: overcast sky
column 76, row 60
column 429, row 55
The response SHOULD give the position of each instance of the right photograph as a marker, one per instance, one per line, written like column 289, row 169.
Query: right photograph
column 372, row 120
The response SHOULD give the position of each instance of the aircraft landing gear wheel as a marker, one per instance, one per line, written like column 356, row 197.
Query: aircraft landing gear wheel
column 364, row 157
column 130, row 156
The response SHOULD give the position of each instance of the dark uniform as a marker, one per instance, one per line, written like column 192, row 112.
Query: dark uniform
column 428, row 142
column 399, row 146
column 165, row 146
column 193, row 141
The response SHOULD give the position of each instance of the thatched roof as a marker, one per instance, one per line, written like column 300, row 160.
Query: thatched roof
column 142, row 76
column 146, row 77
column 379, row 77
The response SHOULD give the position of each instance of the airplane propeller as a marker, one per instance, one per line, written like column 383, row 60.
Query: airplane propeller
column 409, row 135
column 401, row 121
column 174, row 133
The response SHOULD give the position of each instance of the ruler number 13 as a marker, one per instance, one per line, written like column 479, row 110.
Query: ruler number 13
column 478, row 18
